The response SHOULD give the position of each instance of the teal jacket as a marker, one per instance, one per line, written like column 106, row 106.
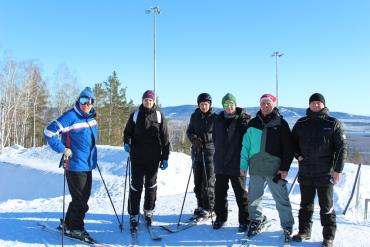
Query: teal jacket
column 267, row 145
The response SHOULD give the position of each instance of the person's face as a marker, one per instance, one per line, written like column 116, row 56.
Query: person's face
column 148, row 103
column 204, row 106
column 316, row 106
column 86, row 104
column 266, row 107
column 229, row 106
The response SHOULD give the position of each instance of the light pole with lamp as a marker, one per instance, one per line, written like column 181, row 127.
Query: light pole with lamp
column 276, row 54
column 155, row 11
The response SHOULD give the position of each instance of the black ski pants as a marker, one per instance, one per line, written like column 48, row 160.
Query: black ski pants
column 79, row 185
column 221, row 203
column 143, row 173
column 204, row 181
column 327, row 212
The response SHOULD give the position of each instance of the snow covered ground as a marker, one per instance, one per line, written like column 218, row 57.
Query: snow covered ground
column 31, row 189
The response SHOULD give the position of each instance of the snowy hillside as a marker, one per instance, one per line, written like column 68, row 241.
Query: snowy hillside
column 32, row 185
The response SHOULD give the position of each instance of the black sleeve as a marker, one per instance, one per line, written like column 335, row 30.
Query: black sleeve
column 340, row 147
column 128, row 132
column 164, row 139
column 287, row 146
column 295, row 137
column 190, row 132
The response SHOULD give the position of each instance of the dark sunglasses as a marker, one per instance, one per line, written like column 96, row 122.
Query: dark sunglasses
column 85, row 101
column 231, row 104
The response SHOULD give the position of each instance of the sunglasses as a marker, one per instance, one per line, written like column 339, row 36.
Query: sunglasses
column 231, row 104
column 85, row 101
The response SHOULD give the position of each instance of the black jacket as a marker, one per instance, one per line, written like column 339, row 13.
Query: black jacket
column 278, row 139
column 148, row 138
column 320, row 140
column 201, row 126
column 227, row 138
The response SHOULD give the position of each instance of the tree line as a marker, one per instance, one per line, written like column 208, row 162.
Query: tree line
column 28, row 104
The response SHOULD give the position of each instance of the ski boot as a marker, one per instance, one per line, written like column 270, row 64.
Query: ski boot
column 300, row 236
column 327, row 243
column 256, row 226
column 148, row 215
column 134, row 222
column 81, row 235
column 287, row 234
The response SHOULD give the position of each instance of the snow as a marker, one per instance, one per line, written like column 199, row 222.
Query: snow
column 32, row 191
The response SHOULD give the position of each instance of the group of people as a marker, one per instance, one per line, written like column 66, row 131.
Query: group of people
column 225, row 147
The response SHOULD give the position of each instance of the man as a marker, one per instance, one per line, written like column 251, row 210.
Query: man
column 146, row 139
column 268, row 151
column 229, row 128
column 320, row 148
column 79, row 134
column 199, row 133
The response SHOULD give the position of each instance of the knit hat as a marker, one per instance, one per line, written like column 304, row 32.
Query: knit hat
column 269, row 97
column 317, row 97
column 149, row 94
column 229, row 97
column 87, row 92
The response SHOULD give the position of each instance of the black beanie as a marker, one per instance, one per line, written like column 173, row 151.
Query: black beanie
column 317, row 97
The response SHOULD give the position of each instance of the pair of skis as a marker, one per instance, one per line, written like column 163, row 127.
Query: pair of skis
column 192, row 221
column 245, row 240
column 46, row 227
column 152, row 230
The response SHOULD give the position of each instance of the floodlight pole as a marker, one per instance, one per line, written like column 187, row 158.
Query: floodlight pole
column 155, row 11
column 276, row 54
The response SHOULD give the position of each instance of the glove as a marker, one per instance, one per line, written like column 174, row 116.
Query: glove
column 127, row 147
column 67, row 153
column 164, row 164
column 197, row 143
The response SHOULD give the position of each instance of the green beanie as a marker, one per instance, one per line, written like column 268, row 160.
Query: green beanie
column 230, row 97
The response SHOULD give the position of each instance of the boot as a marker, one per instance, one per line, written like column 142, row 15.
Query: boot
column 327, row 243
column 134, row 222
column 80, row 234
column 243, row 227
column 218, row 224
column 300, row 236
column 196, row 212
column 148, row 215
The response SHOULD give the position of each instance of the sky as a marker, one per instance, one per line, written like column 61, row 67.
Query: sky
column 202, row 46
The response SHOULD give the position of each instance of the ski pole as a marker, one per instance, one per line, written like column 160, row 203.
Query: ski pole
column 186, row 191
column 119, row 222
column 206, row 180
column 124, row 190
column 64, row 196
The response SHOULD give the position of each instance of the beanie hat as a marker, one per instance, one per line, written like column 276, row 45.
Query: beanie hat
column 317, row 97
column 149, row 94
column 204, row 97
column 87, row 92
column 269, row 97
column 229, row 97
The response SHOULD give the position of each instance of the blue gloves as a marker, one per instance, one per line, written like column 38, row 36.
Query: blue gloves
column 164, row 164
column 127, row 147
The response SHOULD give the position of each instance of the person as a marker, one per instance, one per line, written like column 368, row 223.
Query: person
column 228, row 130
column 79, row 135
column 199, row 132
column 268, row 152
column 146, row 139
column 320, row 148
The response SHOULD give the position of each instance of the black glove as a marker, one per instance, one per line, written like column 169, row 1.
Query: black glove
column 197, row 143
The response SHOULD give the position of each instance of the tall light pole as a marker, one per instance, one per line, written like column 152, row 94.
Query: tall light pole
column 155, row 11
column 277, row 54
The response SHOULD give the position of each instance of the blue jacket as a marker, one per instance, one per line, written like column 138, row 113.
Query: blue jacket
column 82, row 129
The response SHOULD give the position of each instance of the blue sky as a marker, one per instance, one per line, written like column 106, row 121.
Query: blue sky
column 202, row 46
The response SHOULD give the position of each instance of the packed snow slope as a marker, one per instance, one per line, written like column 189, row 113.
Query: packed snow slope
column 31, row 191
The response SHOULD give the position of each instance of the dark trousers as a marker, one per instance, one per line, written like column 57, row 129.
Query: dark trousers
column 143, row 174
column 327, row 212
column 221, row 204
column 204, row 182
column 79, row 185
